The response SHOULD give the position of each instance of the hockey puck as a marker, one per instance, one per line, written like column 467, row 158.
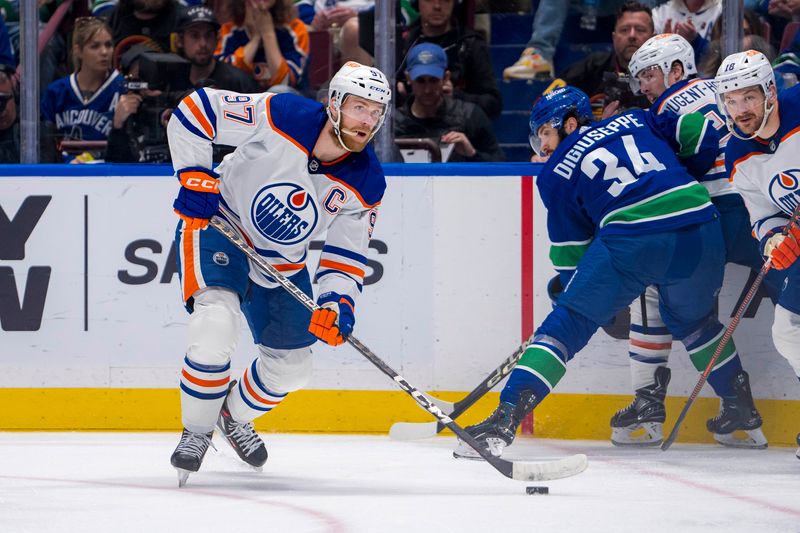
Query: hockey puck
column 537, row 490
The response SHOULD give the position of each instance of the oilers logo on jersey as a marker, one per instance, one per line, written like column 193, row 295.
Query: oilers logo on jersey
column 783, row 189
column 284, row 213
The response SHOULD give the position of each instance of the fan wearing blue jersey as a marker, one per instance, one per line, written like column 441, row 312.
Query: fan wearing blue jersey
column 664, row 70
column 622, row 214
column 762, row 158
column 301, row 171
column 81, row 106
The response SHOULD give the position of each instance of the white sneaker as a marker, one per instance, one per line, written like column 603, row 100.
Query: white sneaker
column 530, row 65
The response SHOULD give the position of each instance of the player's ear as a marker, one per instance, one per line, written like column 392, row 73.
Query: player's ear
column 570, row 125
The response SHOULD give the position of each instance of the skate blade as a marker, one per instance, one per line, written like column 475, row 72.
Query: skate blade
column 748, row 438
column 797, row 453
column 643, row 435
column 183, row 476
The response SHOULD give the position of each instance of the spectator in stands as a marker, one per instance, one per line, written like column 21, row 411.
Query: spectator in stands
column 713, row 57
column 471, row 76
column 431, row 112
column 9, row 118
column 787, row 65
column 548, row 24
column 198, row 33
column 605, row 73
column 155, row 19
column 693, row 20
column 7, row 58
column 265, row 40
column 81, row 106
column 340, row 17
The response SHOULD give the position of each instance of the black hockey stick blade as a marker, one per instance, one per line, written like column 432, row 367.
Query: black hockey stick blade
column 521, row 470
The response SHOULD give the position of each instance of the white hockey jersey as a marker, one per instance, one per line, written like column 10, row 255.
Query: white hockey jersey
column 699, row 96
column 676, row 11
column 274, row 191
column 766, row 172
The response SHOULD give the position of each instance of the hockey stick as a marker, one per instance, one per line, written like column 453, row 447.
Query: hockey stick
column 423, row 430
column 726, row 337
column 527, row 471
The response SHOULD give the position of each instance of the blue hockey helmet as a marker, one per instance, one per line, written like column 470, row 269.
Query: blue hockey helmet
column 552, row 107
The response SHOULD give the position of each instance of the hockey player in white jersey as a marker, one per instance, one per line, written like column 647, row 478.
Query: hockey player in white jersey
column 663, row 69
column 300, row 171
column 762, row 158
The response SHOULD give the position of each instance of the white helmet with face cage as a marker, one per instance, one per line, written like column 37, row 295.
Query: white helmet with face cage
column 662, row 51
column 359, row 80
column 742, row 70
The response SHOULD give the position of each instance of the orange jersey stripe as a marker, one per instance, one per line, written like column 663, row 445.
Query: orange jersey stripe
column 252, row 392
column 651, row 345
column 205, row 382
column 190, row 284
column 289, row 266
column 354, row 191
column 201, row 118
column 742, row 160
column 341, row 266
column 281, row 133
column 796, row 130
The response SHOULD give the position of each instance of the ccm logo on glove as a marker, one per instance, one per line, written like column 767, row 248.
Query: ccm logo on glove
column 199, row 181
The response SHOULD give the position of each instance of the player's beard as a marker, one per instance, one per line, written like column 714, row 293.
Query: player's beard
column 753, row 122
column 348, row 142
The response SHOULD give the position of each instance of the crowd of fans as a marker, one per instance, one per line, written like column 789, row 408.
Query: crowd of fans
column 128, row 62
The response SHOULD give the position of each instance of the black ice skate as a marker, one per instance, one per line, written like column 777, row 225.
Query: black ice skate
column 642, row 422
column 738, row 413
column 242, row 437
column 797, row 453
column 499, row 429
column 188, row 456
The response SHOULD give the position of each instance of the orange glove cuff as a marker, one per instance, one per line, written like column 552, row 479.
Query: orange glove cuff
column 192, row 223
column 195, row 180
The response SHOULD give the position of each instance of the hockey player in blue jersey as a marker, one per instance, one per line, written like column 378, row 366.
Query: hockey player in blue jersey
column 664, row 70
column 622, row 214
column 762, row 158
column 81, row 106
column 301, row 171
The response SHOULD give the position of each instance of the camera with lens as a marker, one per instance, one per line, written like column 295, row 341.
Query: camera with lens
column 617, row 87
column 169, row 75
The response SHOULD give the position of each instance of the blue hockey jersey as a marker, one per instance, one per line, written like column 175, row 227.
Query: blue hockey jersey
column 76, row 118
column 620, row 175
column 698, row 96
column 766, row 172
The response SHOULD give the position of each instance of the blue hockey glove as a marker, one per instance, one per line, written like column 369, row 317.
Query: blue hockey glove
column 198, row 197
column 335, row 318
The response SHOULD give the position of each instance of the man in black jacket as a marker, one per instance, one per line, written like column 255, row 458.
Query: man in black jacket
column 606, row 72
column 471, row 75
column 155, row 19
column 428, row 112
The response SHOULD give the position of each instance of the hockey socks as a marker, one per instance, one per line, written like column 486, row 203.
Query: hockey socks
column 539, row 369
column 250, row 398
column 203, row 389
column 701, row 348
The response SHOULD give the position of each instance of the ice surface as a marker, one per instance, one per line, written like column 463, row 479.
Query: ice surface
column 93, row 482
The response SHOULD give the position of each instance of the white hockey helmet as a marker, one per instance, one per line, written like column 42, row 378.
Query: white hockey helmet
column 741, row 70
column 662, row 51
column 359, row 80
